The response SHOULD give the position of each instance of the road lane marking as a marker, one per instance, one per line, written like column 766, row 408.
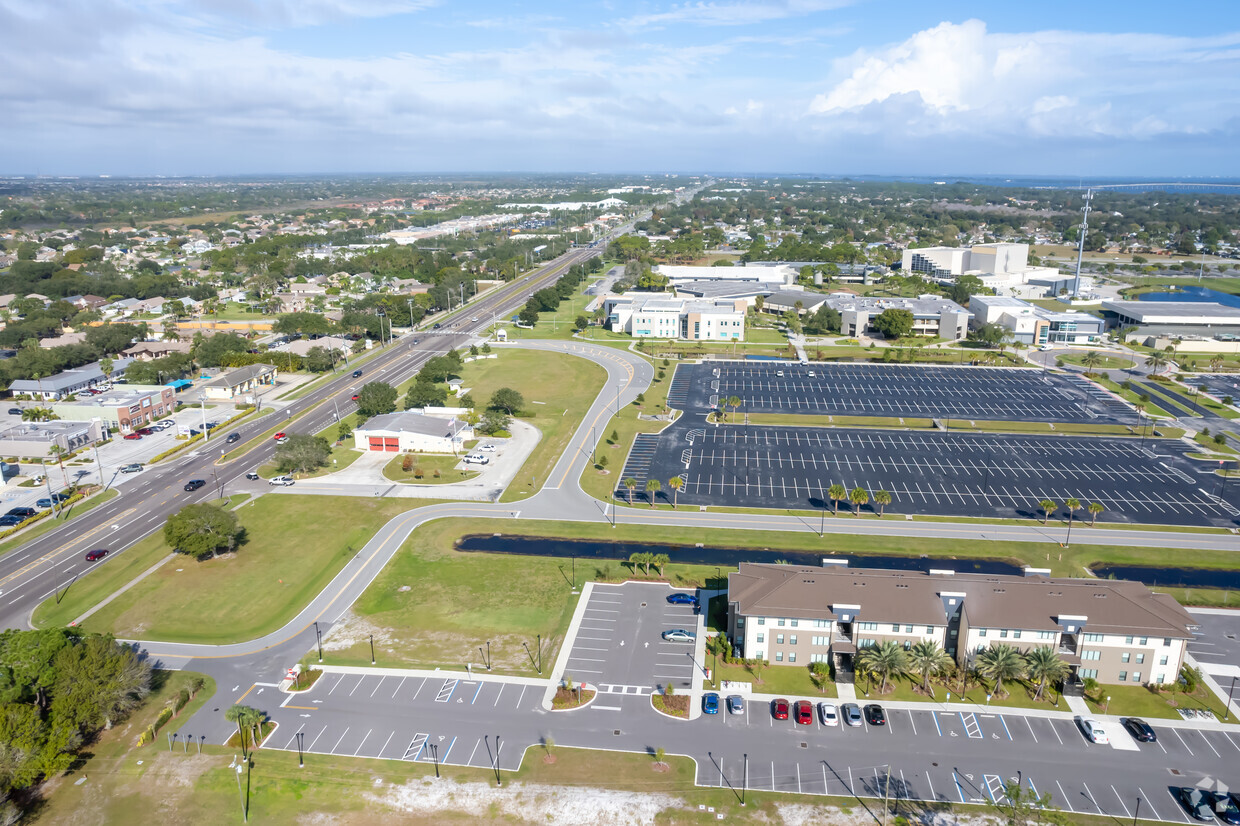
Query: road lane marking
column 359, row 745
column 346, row 731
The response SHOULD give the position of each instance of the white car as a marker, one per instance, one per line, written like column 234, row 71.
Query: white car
column 488, row 448
column 476, row 459
column 281, row 480
column 826, row 713
column 1095, row 732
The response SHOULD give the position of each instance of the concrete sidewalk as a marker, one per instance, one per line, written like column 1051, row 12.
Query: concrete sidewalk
column 479, row 674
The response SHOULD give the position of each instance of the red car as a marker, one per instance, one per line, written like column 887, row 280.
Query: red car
column 280, row 435
column 145, row 431
column 803, row 711
column 779, row 709
column 133, row 435
column 355, row 397
column 95, row 556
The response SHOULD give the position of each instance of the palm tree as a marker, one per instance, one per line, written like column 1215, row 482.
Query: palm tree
column 837, row 493
column 636, row 558
column 631, row 484
column 255, row 718
column 884, row 661
column 1001, row 663
column 660, row 561
column 239, row 715
column 1155, row 361
column 653, row 486
column 1048, row 507
column 1073, row 505
column 105, row 366
column 1094, row 509
column 1044, row 665
column 1216, row 363
column 857, row 498
column 882, row 498
column 675, row 483
column 928, row 659
column 733, row 402
column 1091, row 360
column 38, row 414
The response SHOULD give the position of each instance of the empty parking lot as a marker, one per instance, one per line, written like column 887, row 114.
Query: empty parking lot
column 935, row 472
column 884, row 390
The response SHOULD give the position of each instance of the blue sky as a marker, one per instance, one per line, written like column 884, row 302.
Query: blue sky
column 1087, row 88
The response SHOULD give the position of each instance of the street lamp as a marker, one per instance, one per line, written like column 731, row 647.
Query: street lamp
column 245, row 816
column 202, row 400
column 1107, row 705
column 301, row 760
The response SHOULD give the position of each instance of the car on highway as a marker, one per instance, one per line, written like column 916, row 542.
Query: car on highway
column 1095, row 732
column 283, row 481
column 681, row 598
column 710, row 703
column 1225, row 807
column 803, row 712
column 415, row 341
column 356, row 397
column 779, row 709
column 24, row 513
column 736, row 704
column 874, row 715
column 851, row 713
column 194, row 484
column 473, row 318
column 1196, row 802
column 357, row 374
column 828, row 715
column 488, row 448
column 435, row 326
column 679, row 635
column 133, row 437
column 96, row 555
column 233, row 438
column 252, row 475
column 281, row 437
column 133, row 467
column 1140, row 730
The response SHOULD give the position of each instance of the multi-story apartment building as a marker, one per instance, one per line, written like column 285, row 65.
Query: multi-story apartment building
column 1115, row 631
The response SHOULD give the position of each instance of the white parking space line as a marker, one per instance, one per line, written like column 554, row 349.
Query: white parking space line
column 471, row 754
column 398, row 685
column 912, row 721
column 1211, row 745
column 359, row 745
column 502, row 686
column 1031, row 733
column 337, row 685
column 385, row 744
column 476, row 693
column 316, row 739
column 1176, row 806
column 1121, row 802
column 346, row 731
column 1064, row 794
column 359, row 682
column 381, row 679
column 419, row 691
column 1149, row 803
column 1177, row 734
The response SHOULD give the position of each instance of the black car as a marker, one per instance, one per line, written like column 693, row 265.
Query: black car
column 1140, row 730
column 24, row 513
column 357, row 374
column 435, row 326
column 1225, row 807
column 233, row 437
column 1196, row 802
column 10, row 521
column 15, row 411
column 874, row 715
column 194, row 484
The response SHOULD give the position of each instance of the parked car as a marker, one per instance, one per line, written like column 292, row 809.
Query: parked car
column 133, row 437
column 874, row 715
column 131, row 468
column 357, row 374
column 96, row 555
column 681, row 598
column 1140, row 730
column 1095, row 732
column 15, row 411
column 779, row 709
column 487, row 448
column 1225, row 807
column 145, row 431
column 233, row 438
column 679, row 635
column 476, row 459
column 43, row 504
column 851, row 713
column 284, row 481
column 803, row 712
column 1196, row 802
column 11, row 521
column 194, row 484
column 24, row 513
column 736, row 704
column 60, row 497
column 826, row 713
column 710, row 703
column 252, row 475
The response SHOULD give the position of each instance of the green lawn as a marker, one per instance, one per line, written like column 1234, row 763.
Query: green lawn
column 599, row 480
column 1105, row 363
column 436, row 469
column 286, row 560
column 1139, row 701
column 1020, row 694
column 792, row 681
column 1151, row 408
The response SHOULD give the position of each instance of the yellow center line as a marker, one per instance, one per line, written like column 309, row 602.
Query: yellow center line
column 53, row 553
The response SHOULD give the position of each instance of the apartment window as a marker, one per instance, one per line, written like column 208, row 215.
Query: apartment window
column 1123, row 676
column 1091, row 655
column 1016, row 635
column 867, row 626
column 793, row 623
column 779, row 657
column 1087, row 673
column 908, row 644
column 820, row 640
column 792, row 640
column 761, row 620
column 1144, row 641
column 981, row 648
column 895, row 628
column 865, row 643
column 779, row 639
column 822, row 623
column 1125, row 657
column 758, row 654
column 1092, row 637
column 1003, row 633
column 1136, row 677
column 740, row 622
column 929, row 629
column 761, row 637
column 819, row 658
column 780, row 622
column 981, row 632
column 1166, row 642
column 1140, row 659
column 1162, row 678
column 1128, row 640
column 792, row 656
column 1046, row 635
column 1162, row 661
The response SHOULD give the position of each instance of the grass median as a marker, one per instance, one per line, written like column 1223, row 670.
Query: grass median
column 288, row 558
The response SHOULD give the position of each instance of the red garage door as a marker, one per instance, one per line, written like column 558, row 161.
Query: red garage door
column 390, row 444
column 376, row 443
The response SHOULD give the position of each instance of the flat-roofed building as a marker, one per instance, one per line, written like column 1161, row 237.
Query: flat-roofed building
column 37, row 438
column 1115, row 631
column 658, row 315
column 1032, row 324
column 1170, row 318
column 123, row 408
column 408, row 432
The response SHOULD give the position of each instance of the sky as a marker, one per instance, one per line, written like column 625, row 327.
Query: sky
column 1086, row 88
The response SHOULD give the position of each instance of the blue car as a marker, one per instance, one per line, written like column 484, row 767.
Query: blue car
column 710, row 703
column 681, row 598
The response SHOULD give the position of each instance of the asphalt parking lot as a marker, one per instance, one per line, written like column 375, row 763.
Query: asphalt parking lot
column 889, row 390
column 1216, row 644
column 1219, row 384
column 936, row 472
column 619, row 645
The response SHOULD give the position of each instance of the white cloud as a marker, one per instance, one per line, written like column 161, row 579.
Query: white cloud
column 732, row 14
column 962, row 78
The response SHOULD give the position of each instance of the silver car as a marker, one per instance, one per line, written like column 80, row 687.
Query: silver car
column 851, row 713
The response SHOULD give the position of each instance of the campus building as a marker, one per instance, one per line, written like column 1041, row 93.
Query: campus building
column 1115, row 631
column 1032, row 324
column 657, row 315
column 769, row 276
column 1173, row 318
column 1003, row 267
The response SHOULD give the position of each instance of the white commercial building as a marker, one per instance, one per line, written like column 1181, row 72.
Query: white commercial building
column 933, row 315
column 775, row 276
column 1001, row 267
column 1032, row 324
column 657, row 315
column 407, row 432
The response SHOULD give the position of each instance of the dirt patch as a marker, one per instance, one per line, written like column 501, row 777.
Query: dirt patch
column 353, row 630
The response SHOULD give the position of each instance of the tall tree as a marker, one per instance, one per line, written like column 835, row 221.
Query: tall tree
column 837, row 493
column 883, row 661
column 675, row 483
column 1048, row 507
column 858, row 497
column 1044, row 665
column 1001, row 663
column 928, row 659
column 882, row 498
column 1094, row 509
column 199, row 530
column 376, row 398
column 653, row 486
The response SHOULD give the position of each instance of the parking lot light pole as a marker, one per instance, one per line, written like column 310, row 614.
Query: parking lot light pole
column 301, row 760
column 372, row 649
column 245, row 816
column 1137, row 812
column 1230, row 691
column 745, row 780
column 318, row 637
column 202, row 401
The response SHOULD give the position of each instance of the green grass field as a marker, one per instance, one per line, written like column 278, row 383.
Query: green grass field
column 281, row 566
column 600, row 481
column 1139, row 701
column 436, row 470
column 792, row 681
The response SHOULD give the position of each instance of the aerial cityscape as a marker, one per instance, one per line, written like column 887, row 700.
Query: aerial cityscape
column 772, row 412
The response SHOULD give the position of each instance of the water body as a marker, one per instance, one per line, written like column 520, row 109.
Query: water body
column 689, row 554
column 1172, row 577
column 1194, row 294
